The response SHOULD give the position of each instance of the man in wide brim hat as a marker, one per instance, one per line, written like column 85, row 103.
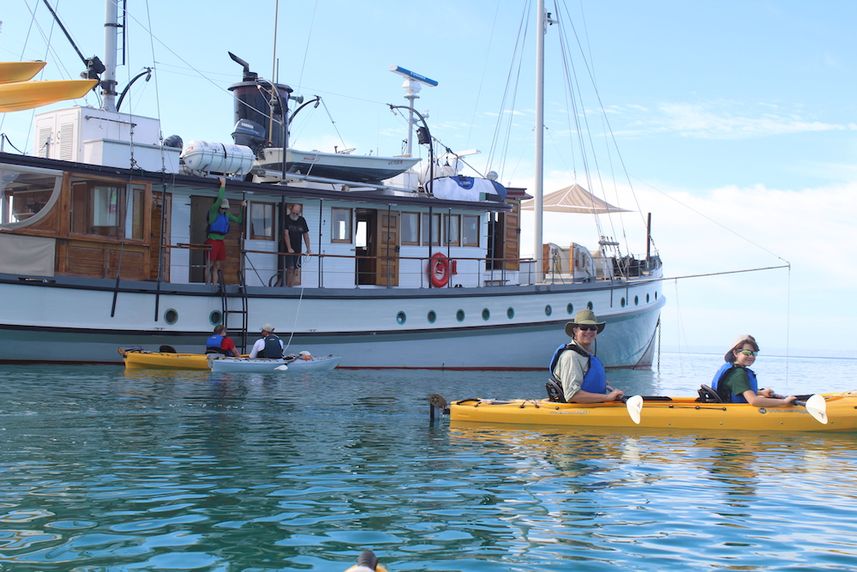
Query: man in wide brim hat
column 583, row 317
column 576, row 373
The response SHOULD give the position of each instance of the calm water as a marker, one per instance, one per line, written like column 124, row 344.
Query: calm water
column 100, row 470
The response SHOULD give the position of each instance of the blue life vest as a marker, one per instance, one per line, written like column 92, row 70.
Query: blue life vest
column 212, row 344
column 273, row 349
column 220, row 225
column 721, row 373
column 595, row 376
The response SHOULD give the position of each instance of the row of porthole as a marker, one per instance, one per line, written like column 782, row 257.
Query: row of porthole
column 402, row 317
column 171, row 316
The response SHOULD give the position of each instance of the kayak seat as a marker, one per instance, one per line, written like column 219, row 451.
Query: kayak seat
column 165, row 349
column 707, row 394
column 555, row 392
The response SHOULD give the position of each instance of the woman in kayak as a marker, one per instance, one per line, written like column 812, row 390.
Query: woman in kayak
column 575, row 367
column 735, row 382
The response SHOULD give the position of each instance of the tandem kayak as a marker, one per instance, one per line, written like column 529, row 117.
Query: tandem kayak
column 261, row 365
column 839, row 412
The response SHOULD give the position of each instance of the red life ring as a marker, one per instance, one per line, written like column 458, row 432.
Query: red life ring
column 438, row 270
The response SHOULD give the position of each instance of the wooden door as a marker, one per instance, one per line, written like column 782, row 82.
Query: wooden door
column 387, row 249
column 512, row 237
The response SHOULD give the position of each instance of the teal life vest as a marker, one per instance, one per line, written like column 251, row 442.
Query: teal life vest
column 724, row 392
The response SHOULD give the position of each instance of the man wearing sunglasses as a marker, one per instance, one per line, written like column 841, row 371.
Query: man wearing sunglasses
column 577, row 375
column 735, row 382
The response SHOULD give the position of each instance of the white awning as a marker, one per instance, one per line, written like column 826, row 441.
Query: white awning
column 573, row 199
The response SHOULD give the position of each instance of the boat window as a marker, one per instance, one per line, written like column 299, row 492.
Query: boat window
column 452, row 229
column 486, row 313
column 470, row 230
column 262, row 221
column 26, row 196
column 401, row 318
column 569, row 308
column 431, row 316
column 410, row 231
column 435, row 229
column 109, row 210
column 340, row 220
column 459, row 315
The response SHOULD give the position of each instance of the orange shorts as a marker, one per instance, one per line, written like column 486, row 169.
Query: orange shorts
column 218, row 250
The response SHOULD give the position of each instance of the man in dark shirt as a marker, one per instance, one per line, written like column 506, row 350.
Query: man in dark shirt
column 296, row 228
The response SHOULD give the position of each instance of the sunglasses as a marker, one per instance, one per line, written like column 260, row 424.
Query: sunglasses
column 749, row 353
column 587, row 328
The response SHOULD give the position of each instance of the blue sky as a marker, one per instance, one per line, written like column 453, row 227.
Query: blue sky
column 736, row 120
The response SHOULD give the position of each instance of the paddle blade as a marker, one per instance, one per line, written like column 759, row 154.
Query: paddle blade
column 635, row 406
column 817, row 407
column 281, row 368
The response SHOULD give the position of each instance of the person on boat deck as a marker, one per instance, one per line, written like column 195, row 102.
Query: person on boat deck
column 219, row 218
column 575, row 367
column 220, row 343
column 268, row 346
column 296, row 228
column 735, row 382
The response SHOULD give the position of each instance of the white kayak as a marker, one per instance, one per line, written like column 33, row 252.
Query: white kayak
column 264, row 365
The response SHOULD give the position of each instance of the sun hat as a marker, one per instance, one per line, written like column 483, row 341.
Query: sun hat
column 305, row 355
column 224, row 204
column 583, row 318
column 743, row 339
column 267, row 328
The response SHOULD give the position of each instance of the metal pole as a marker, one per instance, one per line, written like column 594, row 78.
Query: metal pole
column 538, row 185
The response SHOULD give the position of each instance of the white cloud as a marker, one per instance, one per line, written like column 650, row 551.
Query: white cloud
column 720, row 120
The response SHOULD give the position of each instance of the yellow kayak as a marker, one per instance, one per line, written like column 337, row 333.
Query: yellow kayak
column 164, row 360
column 19, row 95
column 839, row 412
column 19, row 71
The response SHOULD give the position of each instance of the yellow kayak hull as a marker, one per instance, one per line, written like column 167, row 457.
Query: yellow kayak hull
column 20, row 95
column 163, row 360
column 678, row 413
column 19, row 71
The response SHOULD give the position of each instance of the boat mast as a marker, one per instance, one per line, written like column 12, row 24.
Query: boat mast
column 538, row 183
column 108, row 84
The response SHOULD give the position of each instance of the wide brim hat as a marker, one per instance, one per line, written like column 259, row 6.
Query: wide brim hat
column 743, row 339
column 267, row 328
column 224, row 204
column 583, row 318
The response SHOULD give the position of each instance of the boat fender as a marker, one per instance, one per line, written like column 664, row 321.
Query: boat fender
column 438, row 270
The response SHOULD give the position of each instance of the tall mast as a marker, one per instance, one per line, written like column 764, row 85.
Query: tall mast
column 108, row 84
column 538, row 184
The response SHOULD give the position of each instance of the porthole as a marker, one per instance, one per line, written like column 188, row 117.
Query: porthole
column 548, row 310
column 401, row 318
column 215, row 318
column 590, row 306
column 636, row 300
column 486, row 313
column 622, row 302
column 569, row 308
column 510, row 313
column 171, row 316
column 459, row 315
column 431, row 316
column 647, row 298
column 656, row 295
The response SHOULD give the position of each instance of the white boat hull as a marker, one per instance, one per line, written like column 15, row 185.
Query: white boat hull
column 240, row 365
column 69, row 321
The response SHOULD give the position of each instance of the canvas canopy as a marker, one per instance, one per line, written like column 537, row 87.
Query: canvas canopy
column 573, row 199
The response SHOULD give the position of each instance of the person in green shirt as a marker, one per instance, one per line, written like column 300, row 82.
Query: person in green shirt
column 219, row 218
column 735, row 382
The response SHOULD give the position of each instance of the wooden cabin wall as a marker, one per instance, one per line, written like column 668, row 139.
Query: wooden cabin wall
column 88, row 254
